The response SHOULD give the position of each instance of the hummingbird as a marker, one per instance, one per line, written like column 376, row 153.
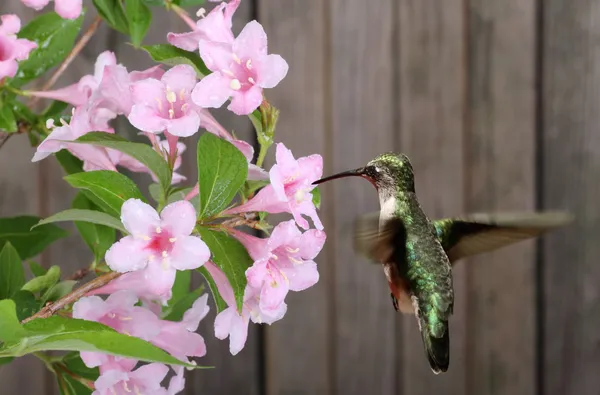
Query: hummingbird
column 417, row 254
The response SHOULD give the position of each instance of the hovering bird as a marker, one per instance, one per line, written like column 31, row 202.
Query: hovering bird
column 417, row 254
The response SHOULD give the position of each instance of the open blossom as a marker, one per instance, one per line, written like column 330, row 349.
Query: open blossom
column 108, row 89
column 120, row 313
column 160, row 244
column 290, row 188
column 282, row 263
column 165, row 105
column 12, row 49
column 144, row 380
column 215, row 27
column 241, row 70
column 58, row 139
column 232, row 323
column 69, row 9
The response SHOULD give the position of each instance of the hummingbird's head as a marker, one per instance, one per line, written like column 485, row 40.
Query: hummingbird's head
column 387, row 172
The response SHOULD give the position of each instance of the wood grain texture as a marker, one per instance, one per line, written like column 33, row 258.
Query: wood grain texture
column 362, row 113
column 501, row 176
column 431, row 109
column 571, row 164
column 296, row 32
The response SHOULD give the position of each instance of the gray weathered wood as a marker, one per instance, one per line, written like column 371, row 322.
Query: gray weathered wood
column 501, row 176
column 431, row 112
column 362, row 124
column 571, row 164
column 296, row 31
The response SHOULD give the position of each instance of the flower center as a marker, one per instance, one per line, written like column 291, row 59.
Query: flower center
column 242, row 73
column 161, row 243
column 175, row 105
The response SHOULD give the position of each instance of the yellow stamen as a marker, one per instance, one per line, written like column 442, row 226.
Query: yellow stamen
column 146, row 238
column 136, row 390
column 287, row 281
column 49, row 123
column 235, row 84
column 292, row 250
column 182, row 94
column 165, row 254
column 294, row 260
column 173, row 239
column 158, row 229
column 171, row 113
column 228, row 72
column 159, row 103
column 171, row 96
column 251, row 80
column 125, row 318
column 249, row 64
column 126, row 387
column 236, row 59
column 165, row 264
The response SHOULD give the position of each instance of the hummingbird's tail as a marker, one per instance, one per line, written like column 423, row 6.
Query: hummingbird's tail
column 437, row 348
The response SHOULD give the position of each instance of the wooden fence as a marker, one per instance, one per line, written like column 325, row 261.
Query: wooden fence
column 497, row 103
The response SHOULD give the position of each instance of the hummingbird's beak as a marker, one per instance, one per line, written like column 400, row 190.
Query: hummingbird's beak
column 360, row 172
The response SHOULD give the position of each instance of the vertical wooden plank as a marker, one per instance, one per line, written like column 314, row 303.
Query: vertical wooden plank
column 362, row 114
column 571, row 164
column 501, row 177
column 431, row 112
column 296, row 32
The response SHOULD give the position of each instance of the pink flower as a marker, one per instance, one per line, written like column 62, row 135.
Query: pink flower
column 290, row 188
column 12, row 49
column 144, row 380
column 240, row 70
column 282, row 263
column 233, row 324
column 166, row 104
column 81, row 123
column 216, row 27
column 179, row 338
column 160, row 244
column 120, row 313
column 69, row 9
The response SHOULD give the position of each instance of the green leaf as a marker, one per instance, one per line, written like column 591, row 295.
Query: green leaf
column 142, row 152
column 98, row 237
column 231, row 257
column 190, row 3
column 74, row 378
column 8, row 123
column 10, row 328
column 54, row 36
column 57, row 291
column 154, row 3
column 23, row 112
column 177, row 310
column 68, row 334
column 220, row 304
column 139, row 17
column 86, row 216
column 6, row 360
column 26, row 304
column 12, row 275
column 69, row 163
column 27, row 242
column 316, row 197
column 43, row 282
column 181, row 287
column 172, row 56
column 110, row 188
column 37, row 269
column 73, row 362
column 68, row 385
column 222, row 170
column 112, row 12
column 55, row 109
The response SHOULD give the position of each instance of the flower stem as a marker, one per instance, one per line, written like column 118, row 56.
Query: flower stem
column 72, row 297
column 85, row 38
column 183, row 15
column 264, row 148
column 16, row 91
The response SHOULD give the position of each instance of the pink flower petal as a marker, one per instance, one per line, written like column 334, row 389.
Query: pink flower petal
column 72, row 94
column 52, row 143
column 179, row 218
column 148, row 91
column 217, row 56
column 257, row 273
column 273, row 292
column 257, row 248
column 115, row 88
column 264, row 200
column 159, row 278
column 11, row 24
column 302, row 276
column 222, row 283
column 155, row 72
column 152, row 374
column 186, row 41
column 255, row 173
column 9, row 69
column 127, row 255
column 212, row 91
column 189, row 252
column 273, row 69
column 139, row 218
column 23, row 47
column 283, row 234
column 69, row 9
column 311, row 243
column 238, row 334
column 193, row 316
column 251, row 42
column 246, row 149
column 185, row 126
column 146, row 119
column 180, row 78
column 243, row 103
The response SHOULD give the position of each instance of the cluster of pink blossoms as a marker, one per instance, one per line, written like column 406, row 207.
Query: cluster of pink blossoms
column 174, row 103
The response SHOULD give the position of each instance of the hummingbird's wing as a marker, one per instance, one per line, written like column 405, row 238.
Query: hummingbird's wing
column 477, row 233
column 379, row 245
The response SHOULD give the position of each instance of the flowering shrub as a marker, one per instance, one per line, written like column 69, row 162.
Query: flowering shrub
column 137, row 317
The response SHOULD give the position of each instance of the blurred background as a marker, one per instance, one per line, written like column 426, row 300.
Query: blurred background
column 496, row 104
